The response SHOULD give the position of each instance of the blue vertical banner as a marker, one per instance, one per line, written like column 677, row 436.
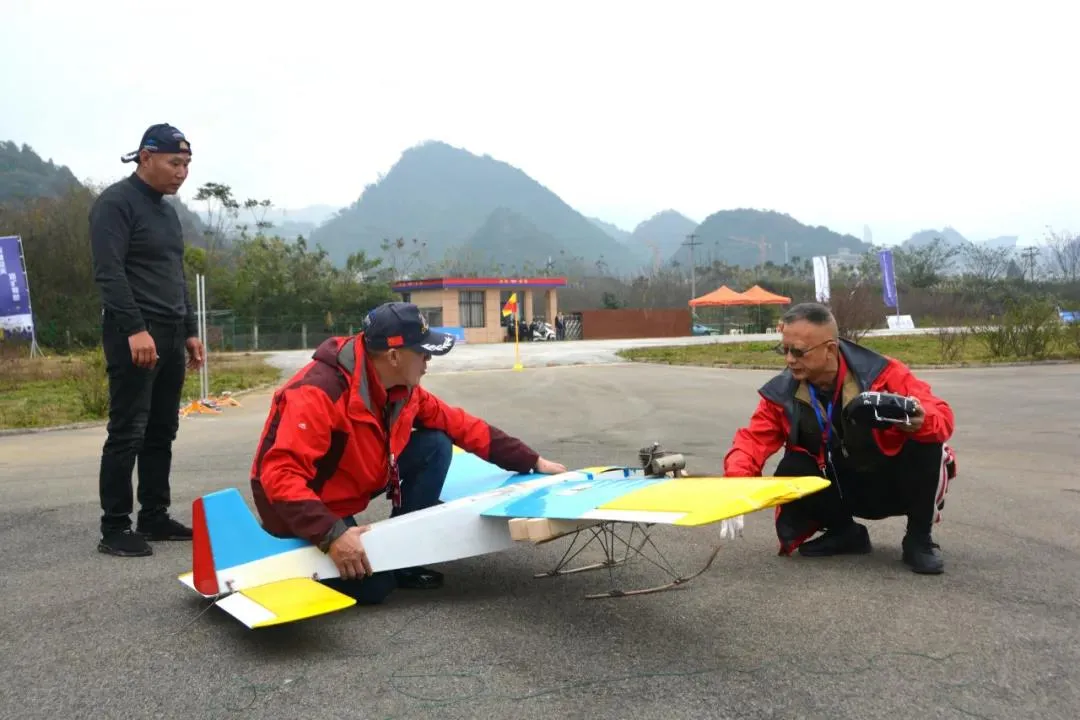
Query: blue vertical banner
column 888, row 279
column 16, row 317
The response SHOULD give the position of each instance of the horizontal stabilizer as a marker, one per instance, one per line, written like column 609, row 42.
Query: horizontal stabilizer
column 283, row 601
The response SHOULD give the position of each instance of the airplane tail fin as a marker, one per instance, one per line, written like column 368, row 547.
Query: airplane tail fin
column 204, row 574
column 258, row 578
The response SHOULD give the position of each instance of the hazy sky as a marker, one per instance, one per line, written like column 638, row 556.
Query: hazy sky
column 839, row 113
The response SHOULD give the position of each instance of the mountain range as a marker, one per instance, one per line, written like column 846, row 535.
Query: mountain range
column 461, row 205
column 471, row 213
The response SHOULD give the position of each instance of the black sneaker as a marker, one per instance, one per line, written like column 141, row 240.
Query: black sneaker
column 124, row 543
column 418, row 578
column 850, row 540
column 164, row 529
column 923, row 555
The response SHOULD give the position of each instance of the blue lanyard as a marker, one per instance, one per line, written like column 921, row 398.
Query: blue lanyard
column 826, row 423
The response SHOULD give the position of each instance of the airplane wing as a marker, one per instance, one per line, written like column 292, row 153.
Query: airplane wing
column 469, row 475
column 627, row 496
column 623, row 494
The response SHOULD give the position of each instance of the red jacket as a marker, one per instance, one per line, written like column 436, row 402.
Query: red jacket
column 770, row 425
column 323, row 451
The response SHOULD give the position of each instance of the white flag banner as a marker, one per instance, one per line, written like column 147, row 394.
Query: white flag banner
column 821, row 279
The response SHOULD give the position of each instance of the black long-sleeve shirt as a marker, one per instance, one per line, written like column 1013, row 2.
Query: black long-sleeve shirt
column 138, row 249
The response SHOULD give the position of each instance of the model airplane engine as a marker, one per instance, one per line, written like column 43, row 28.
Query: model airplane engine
column 658, row 462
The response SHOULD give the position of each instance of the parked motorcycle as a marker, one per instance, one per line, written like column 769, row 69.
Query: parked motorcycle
column 542, row 330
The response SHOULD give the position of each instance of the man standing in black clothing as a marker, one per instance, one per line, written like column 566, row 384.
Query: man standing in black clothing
column 148, row 327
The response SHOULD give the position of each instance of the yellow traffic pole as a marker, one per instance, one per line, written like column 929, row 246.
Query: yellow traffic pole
column 517, row 350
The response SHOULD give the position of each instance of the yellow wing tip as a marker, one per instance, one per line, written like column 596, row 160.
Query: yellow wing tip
column 711, row 499
column 296, row 599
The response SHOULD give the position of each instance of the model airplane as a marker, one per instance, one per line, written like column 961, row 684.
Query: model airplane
column 263, row 580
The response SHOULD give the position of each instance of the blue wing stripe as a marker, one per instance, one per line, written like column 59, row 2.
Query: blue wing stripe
column 568, row 500
column 469, row 474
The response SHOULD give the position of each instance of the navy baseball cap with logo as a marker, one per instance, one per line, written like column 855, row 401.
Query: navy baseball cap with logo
column 160, row 138
column 402, row 325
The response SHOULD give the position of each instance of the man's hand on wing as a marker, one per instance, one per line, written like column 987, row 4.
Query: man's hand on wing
column 548, row 467
column 349, row 555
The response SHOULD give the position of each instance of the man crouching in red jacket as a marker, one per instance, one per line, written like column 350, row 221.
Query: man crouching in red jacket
column 341, row 431
column 875, row 471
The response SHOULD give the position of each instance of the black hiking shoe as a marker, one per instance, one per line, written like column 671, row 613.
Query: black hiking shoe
column 124, row 543
column 850, row 540
column 923, row 555
column 164, row 529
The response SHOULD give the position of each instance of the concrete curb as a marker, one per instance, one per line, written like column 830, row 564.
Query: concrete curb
column 5, row 432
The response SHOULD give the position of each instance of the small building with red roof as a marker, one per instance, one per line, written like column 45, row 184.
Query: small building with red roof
column 471, row 307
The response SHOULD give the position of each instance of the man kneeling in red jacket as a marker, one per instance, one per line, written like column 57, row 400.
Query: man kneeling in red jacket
column 341, row 431
column 901, row 470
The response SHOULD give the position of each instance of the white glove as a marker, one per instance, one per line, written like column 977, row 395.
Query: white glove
column 732, row 527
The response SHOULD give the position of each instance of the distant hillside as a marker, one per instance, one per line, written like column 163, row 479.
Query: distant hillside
column 613, row 230
column 955, row 254
column 923, row 238
column 663, row 233
column 24, row 175
column 190, row 221
column 533, row 248
column 290, row 223
column 736, row 236
column 443, row 196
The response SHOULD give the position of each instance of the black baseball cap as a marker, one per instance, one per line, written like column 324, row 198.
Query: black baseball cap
column 160, row 138
column 402, row 325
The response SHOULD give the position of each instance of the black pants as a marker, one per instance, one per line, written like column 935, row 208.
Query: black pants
column 144, row 415
column 906, row 485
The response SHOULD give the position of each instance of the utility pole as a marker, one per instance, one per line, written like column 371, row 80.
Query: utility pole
column 1029, row 255
column 691, row 242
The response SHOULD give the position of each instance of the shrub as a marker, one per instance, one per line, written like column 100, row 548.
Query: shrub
column 92, row 384
column 952, row 341
column 855, row 310
column 1028, row 330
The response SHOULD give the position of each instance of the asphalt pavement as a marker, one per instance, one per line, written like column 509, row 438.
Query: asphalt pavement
column 756, row 636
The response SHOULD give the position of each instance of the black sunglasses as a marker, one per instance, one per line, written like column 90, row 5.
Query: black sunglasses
column 797, row 353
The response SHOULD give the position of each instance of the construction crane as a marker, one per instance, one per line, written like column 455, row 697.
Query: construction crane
column 761, row 245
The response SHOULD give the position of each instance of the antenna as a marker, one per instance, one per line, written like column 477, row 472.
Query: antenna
column 691, row 242
column 1029, row 255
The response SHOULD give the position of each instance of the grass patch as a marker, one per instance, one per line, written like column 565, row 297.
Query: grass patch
column 946, row 348
column 47, row 391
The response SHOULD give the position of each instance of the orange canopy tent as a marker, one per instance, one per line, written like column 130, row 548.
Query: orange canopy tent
column 758, row 295
column 722, row 296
